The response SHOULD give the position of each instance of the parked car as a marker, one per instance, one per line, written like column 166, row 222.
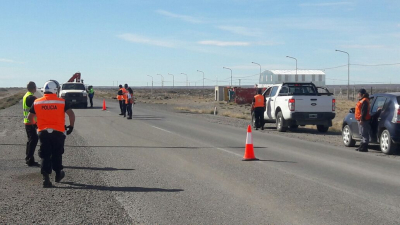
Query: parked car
column 290, row 105
column 385, row 123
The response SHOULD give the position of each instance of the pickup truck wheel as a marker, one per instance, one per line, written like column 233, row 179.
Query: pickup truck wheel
column 280, row 122
column 386, row 143
column 322, row 128
column 348, row 137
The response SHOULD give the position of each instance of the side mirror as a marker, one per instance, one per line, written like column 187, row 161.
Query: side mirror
column 352, row 110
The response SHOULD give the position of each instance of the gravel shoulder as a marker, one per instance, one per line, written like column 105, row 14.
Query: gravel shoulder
column 24, row 201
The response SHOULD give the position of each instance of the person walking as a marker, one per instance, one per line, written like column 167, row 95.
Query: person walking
column 30, row 125
column 120, row 98
column 129, row 102
column 259, row 108
column 125, row 99
column 91, row 95
column 363, row 117
column 50, row 112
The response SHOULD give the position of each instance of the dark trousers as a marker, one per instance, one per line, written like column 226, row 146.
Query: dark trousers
column 31, row 144
column 259, row 116
column 129, row 109
column 121, row 105
column 91, row 101
column 364, row 130
column 51, row 151
column 124, row 108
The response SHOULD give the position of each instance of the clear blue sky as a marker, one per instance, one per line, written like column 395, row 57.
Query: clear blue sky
column 125, row 40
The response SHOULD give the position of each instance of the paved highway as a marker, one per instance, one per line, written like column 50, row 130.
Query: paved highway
column 172, row 168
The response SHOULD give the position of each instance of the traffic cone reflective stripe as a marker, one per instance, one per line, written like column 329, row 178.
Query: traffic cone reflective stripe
column 104, row 105
column 249, row 151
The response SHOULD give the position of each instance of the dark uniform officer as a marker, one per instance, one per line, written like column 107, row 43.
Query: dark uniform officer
column 363, row 117
column 50, row 112
column 30, row 125
column 259, row 108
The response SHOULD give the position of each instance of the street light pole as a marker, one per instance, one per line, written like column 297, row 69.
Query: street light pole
column 231, row 73
column 173, row 80
column 203, row 80
column 151, row 84
column 294, row 59
column 162, row 80
column 186, row 78
column 260, row 72
column 348, row 72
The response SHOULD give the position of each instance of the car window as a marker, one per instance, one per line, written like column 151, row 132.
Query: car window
column 379, row 104
column 76, row 86
column 284, row 90
column 302, row 89
column 273, row 92
column 266, row 93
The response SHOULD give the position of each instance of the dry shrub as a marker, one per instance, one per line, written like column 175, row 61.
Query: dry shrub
column 10, row 101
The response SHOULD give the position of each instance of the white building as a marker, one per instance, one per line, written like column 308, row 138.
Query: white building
column 269, row 77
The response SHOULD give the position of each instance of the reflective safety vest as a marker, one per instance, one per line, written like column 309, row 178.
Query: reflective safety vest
column 359, row 108
column 129, row 99
column 91, row 91
column 26, row 108
column 259, row 101
column 120, row 97
column 124, row 94
column 50, row 112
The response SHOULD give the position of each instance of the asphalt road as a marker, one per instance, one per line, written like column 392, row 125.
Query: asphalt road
column 174, row 168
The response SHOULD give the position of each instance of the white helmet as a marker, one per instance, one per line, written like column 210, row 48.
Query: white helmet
column 51, row 86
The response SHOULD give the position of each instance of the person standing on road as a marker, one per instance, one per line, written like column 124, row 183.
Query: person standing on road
column 50, row 112
column 129, row 103
column 120, row 97
column 91, row 95
column 363, row 117
column 30, row 125
column 125, row 99
column 259, row 108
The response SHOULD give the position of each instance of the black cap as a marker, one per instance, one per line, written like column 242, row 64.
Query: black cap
column 126, row 85
column 120, row 86
column 362, row 91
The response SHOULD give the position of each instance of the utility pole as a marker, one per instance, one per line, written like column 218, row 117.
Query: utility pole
column 231, row 73
column 260, row 71
column 173, row 80
column 162, row 80
column 186, row 78
column 151, row 84
column 239, row 82
column 348, row 71
column 294, row 59
column 203, row 80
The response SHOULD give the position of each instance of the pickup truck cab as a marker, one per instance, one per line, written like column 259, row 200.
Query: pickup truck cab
column 290, row 105
column 74, row 93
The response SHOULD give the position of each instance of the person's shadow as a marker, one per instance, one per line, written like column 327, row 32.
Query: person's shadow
column 73, row 185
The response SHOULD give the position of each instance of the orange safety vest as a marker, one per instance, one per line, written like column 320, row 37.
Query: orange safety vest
column 358, row 109
column 120, row 97
column 124, row 94
column 129, row 99
column 50, row 112
column 259, row 101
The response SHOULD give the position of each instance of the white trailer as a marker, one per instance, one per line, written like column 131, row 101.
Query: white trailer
column 270, row 77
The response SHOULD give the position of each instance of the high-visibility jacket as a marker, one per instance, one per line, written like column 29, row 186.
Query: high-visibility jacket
column 129, row 99
column 358, row 113
column 26, row 109
column 50, row 112
column 91, row 91
column 124, row 94
column 259, row 101
column 120, row 96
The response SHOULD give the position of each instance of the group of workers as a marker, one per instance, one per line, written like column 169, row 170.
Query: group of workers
column 362, row 115
column 126, row 100
column 44, row 120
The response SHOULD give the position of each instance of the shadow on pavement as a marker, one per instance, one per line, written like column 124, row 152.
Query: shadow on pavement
column 111, row 188
column 271, row 160
column 95, row 168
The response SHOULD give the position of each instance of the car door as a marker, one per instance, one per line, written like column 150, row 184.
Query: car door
column 266, row 96
column 271, row 102
column 377, row 112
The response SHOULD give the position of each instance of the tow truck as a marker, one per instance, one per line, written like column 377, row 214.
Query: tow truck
column 74, row 91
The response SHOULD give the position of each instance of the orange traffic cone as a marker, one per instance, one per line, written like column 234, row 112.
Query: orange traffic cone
column 104, row 105
column 249, row 151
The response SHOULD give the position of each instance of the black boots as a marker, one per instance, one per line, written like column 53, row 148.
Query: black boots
column 129, row 117
column 46, row 181
column 363, row 148
column 59, row 176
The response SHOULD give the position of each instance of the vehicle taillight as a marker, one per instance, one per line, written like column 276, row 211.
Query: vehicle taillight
column 398, row 116
column 291, row 104
column 333, row 104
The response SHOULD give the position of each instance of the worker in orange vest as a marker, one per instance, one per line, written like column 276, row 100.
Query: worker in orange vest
column 258, row 107
column 129, row 102
column 363, row 117
column 120, row 97
column 50, row 112
column 125, row 99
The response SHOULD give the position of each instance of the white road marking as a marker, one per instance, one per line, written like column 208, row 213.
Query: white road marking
column 163, row 130
column 234, row 153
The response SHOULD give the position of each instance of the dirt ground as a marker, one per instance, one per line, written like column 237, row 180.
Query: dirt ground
column 10, row 96
column 192, row 101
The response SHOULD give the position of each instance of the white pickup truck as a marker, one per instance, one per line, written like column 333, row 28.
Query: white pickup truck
column 290, row 105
